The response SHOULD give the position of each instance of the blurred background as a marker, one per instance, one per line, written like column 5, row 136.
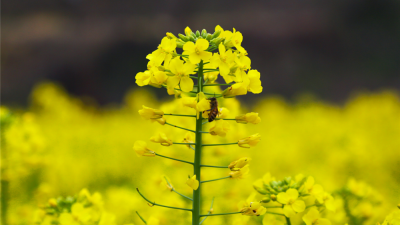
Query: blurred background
column 95, row 48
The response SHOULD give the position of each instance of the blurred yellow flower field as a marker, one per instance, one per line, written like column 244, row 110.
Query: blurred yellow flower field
column 61, row 146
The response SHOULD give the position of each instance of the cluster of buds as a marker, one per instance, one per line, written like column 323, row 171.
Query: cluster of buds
column 194, row 36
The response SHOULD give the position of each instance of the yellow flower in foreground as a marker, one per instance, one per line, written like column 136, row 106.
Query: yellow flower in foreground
column 141, row 149
column 312, row 188
column 221, row 128
column 292, row 203
column 238, row 164
column 203, row 103
column 181, row 71
column 189, row 102
column 251, row 117
column 189, row 138
column 326, row 199
column 162, row 139
column 249, row 141
column 192, row 182
column 255, row 82
column 312, row 218
column 188, row 31
column 197, row 52
column 253, row 209
column 149, row 113
column 240, row 172
column 236, row 89
column 164, row 51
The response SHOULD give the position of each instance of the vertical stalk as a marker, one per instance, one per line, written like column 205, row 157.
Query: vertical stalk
column 197, row 154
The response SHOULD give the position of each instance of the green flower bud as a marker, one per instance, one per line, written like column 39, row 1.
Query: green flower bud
column 260, row 189
column 179, row 43
column 216, row 41
column 161, row 68
column 204, row 33
column 208, row 37
column 191, row 38
column 197, row 33
column 216, row 34
column 183, row 37
column 266, row 199
column 273, row 197
column 193, row 35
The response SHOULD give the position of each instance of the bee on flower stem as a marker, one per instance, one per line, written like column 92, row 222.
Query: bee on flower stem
column 214, row 109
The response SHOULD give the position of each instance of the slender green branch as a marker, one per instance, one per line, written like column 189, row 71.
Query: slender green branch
column 310, row 206
column 173, row 189
column 205, row 122
column 176, row 143
column 171, row 114
column 174, row 159
column 279, row 214
column 224, row 167
column 287, row 220
column 217, row 84
column 154, row 203
column 205, row 82
column 181, row 127
column 205, row 181
column 144, row 221
column 212, row 94
column 193, row 77
column 209, row 211
column 192, row 147
column 220, row 214
column 220, row 144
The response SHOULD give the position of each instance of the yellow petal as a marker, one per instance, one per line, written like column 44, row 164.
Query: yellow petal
column 202, row 44
column 288, row 211
column 299, row 206
column 172, row 82
column 283, row 198
column 292, row 193
column 186, row 84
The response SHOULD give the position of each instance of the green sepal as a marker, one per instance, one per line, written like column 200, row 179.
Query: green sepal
column 216, row 34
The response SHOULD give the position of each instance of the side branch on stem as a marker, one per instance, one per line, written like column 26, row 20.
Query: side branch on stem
column 174, row 159
column 171, row 114
column 154, row 203
column 220, row 214
column 205, row 181
column 180, row 127
column 209, row 211
column 173, row 189
column 220, row 144
column 144, row 221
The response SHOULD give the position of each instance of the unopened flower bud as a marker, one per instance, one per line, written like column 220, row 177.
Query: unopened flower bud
column 183, row 37
column 53, row 202
column 216, row 34
column 192, row 37
column 179, row 43
column 208, row 37
column 249, row 141
column 197, row 33
column 204, row 33
column 171, row 35
column 266, row 199
column 161, row 68
column 248, row 118
column 273, row 197
column 188, row 31
column 216, row 41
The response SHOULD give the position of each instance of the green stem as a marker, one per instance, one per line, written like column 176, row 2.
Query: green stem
column 209, row 211
column 171, row 114
column 279, row 214
column 225, row 167
column 193, row 77
column 205, row 82
column 310, row 206
column 173, row 159
column 181, row 127
column 176, row 143
column 217, row 84
column 144, row 221
column 205, row 181
column 173, row 189
column 197, row 154
column 288, row 220
column 154, row 203
column 220, row 144
column 221, row 214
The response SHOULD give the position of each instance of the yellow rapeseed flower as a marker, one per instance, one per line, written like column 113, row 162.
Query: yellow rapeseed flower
column 292, row 203
column 189, row 138
column 181, row 72
column 192, row 182
column 188, row 31
column 220, row 128
column 164, row 51
column 141, row 149
column 224, row 60
column 313, row 218
column 235, row 89
column 249, row 141
column 240, row 173
column 253, row 209
column 255, row 82
column 238, row 164
column 149, row 113
column 162, row 139
column 197, row 52
column 251, row 117
column 189, row 102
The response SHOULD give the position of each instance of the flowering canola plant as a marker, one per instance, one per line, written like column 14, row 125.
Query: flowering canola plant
column 173, row 71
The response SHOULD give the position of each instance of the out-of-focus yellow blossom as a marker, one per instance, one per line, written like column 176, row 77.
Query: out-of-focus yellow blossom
column 240, row 173
column 197, row 52
column 143, row 78
column 313, row 217
column 326, row 199
column 238, row 164
column 255, row 82
column 164, row 51
column 272, row 220
column 393, row 218
column 162, row 139
column 251, row 117
column 235, row 89
column 141, row 149
column 189, row 138
column 312, row 188
column 153, row 221
column 189, row 102
column 149, row 113
column 203, row 103
column 359, row 188
column 220, row 128
column 223, row 113
column 292, row 204
column 181, row 73
column 151, row 77
column 253, row 209
column 249, row 141
column 192, row 182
